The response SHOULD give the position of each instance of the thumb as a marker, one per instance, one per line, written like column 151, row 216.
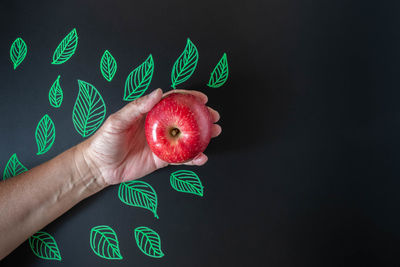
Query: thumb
column 134, row 110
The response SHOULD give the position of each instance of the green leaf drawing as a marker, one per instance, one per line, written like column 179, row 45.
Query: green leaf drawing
column 56, row 94
column 18, row 52
column 13, row 168
column 185, row 64
column 66, row 48
column 138, row 194
column 104, row 242
column 89, row 109
column 44, row 246
column 45, row 134
column 186, row 182
column 108, row 66
column 139, row 80
column 220, row 73
column 148, row 242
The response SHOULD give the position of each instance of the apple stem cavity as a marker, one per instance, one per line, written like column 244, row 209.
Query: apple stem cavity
column 174, row 132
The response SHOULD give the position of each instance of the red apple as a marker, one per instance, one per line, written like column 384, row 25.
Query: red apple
column 178, row 128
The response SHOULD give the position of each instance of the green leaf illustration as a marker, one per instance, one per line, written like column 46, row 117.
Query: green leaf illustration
column 56, row 94
column 108, row 66
column 89, row 109
column 139, row 80
column 220, row 73
column 138, row 194
column 44, row 246
column 66, row 48
column 104, row 242
column 45, row 134
column 13, row 168
column 148, row 242
column 185, row 64
column 18, row 52
column 186, row 182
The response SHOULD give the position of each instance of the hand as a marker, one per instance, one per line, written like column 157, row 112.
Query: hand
column 119, row 152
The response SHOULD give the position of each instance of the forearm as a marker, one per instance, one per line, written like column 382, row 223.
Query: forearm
column 33, row 199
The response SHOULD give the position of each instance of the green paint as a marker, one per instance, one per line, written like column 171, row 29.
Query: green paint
column 108, row 66
column 44, row 246
column 185, row 64
column 104, row 242
column 187, row 182
column 89, row 109
column 138, row 194
column 13, row 168
column 148, row 242
column 220, row 73
column 56, row 94
column 139, row 80
column 45, row 134
column 18, row 52
column 66, row 48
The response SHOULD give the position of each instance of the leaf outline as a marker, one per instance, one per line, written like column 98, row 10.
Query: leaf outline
column 51, row 253
column 66, row 48
column 56, row 94
column 139, row 80
column 45, row 134
column 107, row 236
column 108, row 66
column 185, row 65
column 13, row 167
column 186, row 181
column 138, row 194
column 152, row 238
column 220, row 73
column 89, row 109
column 18, row 52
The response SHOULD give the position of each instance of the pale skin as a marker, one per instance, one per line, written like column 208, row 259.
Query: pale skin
column 116, row 153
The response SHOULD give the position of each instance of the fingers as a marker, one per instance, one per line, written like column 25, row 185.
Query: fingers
column 215, row 130
column 127, row 115
column 214, row 115
column 203, row 98
column 143, row 104
column 199, row 160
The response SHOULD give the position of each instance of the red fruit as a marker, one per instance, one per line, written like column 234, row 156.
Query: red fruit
column 178, row 128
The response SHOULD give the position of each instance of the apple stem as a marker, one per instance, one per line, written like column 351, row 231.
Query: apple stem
column 174, row 132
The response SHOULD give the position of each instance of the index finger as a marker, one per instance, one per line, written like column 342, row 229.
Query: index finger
column 203, row 98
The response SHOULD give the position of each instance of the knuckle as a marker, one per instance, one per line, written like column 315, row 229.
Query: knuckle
column 111, row 122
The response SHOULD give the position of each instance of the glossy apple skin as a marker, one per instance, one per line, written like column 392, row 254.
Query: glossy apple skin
column 186, row 113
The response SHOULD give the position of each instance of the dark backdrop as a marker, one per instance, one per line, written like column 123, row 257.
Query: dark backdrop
column 306, row 170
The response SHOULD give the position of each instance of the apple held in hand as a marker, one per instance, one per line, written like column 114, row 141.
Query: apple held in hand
column 178, row 128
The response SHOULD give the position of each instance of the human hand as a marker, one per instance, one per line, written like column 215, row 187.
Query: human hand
column 119, row 152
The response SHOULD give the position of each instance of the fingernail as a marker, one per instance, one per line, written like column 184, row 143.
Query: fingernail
column 154, row 92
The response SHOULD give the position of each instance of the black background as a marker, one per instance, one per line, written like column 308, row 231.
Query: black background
column 306, row 170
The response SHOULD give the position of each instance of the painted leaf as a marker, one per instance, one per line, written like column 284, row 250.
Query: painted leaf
column 56, row 94
column 220, row 73
column 66, row 48
column 139, row 80
column 104, row 242
column 185, row 64
column 13, row 168
column 44, row 246
column 45, row 134
column 138, row 194
column 18, row 52
column 187, row 182
column 108, row 66
column 148, row 242
column 89, row 109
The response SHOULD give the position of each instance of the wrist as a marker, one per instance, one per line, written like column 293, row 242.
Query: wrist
column 86, row 169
